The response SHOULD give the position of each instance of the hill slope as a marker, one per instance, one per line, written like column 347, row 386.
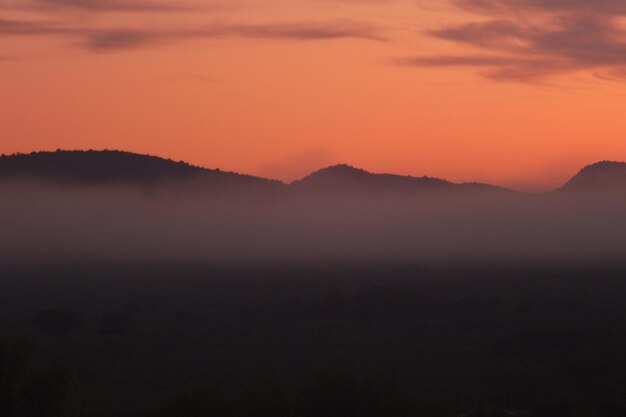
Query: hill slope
column 601, row 176
column 346, row 179
column 112, row 167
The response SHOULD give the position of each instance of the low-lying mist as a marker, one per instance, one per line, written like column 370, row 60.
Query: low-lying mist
column 45, row 223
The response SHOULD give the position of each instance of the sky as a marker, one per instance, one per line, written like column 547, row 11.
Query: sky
column 520, row 93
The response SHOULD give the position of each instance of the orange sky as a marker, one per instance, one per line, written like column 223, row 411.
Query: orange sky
column 467, row 90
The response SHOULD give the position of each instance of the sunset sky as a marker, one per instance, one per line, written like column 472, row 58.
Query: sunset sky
column 520, row 93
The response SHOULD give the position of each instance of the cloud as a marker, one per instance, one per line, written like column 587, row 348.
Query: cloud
column 117, row 39
column 490, row 7
column 96, row 5
column 30, row 28
column 303, row 31
column 531, row 39
column 120, row 38
column 54, row 18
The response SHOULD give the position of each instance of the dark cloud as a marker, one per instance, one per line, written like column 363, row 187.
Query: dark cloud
column 115, row 38
column 119, row 39
column 490, row 7
column 303, row 31
column 56, row 19
column 32, row 28
column 499, row 67
column 529, row 39
column 466, row 60
column 98, row 5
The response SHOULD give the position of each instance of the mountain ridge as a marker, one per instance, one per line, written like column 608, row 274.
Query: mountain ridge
column 349, row 180
column 111, row 167
column 96, row 167
column 598, row 176
column 349, row 173
column 115, row 166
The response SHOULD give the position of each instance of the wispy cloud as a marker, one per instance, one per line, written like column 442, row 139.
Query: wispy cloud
column 30, row 28
column 126, row 38
column 94, row 29
column 527, row 40
column 303, row 31
column 96, row 5
column 111, row 39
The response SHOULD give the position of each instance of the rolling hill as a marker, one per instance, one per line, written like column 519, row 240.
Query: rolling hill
column 347, row 179
column 601, row 176
column 112, row 167
column 116, row 168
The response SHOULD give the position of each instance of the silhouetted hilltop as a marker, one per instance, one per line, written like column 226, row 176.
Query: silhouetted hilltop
column 125, row 168
column 604, row 175
column 111, row 167
column 343, row 174
column 345, row 178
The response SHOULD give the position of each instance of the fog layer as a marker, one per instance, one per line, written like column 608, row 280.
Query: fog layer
column 42, row 223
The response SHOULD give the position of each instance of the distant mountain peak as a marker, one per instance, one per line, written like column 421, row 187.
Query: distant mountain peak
column 344, row 178
column 599, row 175
column 604, row 168
column 338, row 171
column 339, row 168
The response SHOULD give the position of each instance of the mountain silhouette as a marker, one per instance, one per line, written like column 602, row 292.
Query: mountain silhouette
column 345, row 178
column 114, row 167
column 601, row 176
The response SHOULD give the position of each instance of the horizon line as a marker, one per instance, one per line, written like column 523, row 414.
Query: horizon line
column 334, row 165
